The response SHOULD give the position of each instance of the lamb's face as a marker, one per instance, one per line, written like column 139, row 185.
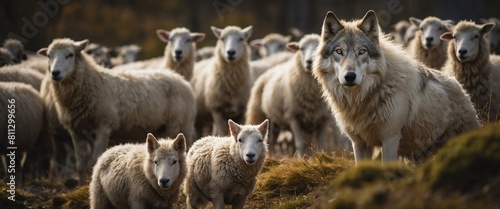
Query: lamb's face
column 180, row 41
column 166, row 158
column 232, row 42
column 250, row 141
column 467, row 38
column 431, row 30
column 62, row 53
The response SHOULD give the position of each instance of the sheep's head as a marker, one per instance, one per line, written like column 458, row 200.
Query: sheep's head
column 61, row 54
column 128, row 53
column 180, row 42
column 467, row 37
column 305, row 49
column 251, row 140
column 431, row 28
column 271, row 44
column 16, row 50
column 232, row 42
column 494, row 34
column 5, row 58
column 165, row 159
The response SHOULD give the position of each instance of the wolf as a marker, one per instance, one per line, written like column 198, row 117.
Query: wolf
column 382, row 97
column 139, row 175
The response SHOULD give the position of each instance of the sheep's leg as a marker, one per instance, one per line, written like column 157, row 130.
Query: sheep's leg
column 101, row 143
column 390, row 148
column 361, row 149
column 239, row 203
column 81, row 151
column 320, row 132
column 298, row 138
column 218, row 202
column 220, row 124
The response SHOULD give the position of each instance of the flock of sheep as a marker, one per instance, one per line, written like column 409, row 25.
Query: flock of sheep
column 79, row 99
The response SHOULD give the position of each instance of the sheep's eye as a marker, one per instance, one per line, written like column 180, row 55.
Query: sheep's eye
column 260, row 140
column 240, row 39
column 188, row 40
column 155, row 162
column 361, row 51
column 239, row 140
column 339, row 51
column 175, row 161
column 223, row 39
column 421, row 28
column 69, row 55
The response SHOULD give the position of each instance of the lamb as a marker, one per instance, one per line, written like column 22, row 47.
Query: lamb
column 427, row 47
column 22, row 74
column 271, row 43
column 5, row 58
column 95, row 104
column 24, row 103
column 139, row 175
column 180, row 50
column 494, row 35
column 471, row 64
column 292, row 99
column 222, row 86
column 262, row 65
column 223, row 170
column 16, row 50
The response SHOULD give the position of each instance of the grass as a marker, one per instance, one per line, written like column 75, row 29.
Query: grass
column 465, row 173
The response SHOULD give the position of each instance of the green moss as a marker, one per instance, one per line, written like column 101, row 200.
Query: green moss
column 371, row 171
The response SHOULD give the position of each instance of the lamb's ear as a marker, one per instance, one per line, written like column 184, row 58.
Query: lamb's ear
column 247, row 32
column 447, row 36
column 257, row 43
column 43, row 51
column 180, row 143
column 292, row 46
column 163, row 35
column 415, row 21
column 152, row 143
column 234, row 128
column 264, row 127
column 80, row 45
column 369, row 25
column 197, row 37
column 486, row 28
column 288, row 38
column 331, row 26
column 216, row 31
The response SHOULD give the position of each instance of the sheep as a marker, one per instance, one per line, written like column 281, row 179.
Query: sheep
column 471, row 65
column 494, row 35
column 222, row 85
column 22, row 74
column 291, row 97
column 5, row 58
column 399, row 31
column 427, row 47
column 16, row 49
column 124, row 54
column 204, row 53
column 180, row 50
column 223, row 170
column 271, row 43
column 139, row 175
column 100, row 54
column 94, row 104
column 262, row 65
column 21, row 123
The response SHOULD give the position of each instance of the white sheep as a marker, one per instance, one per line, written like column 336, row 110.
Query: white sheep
column 262, row 65
column 204, row 53
column 16, row 49
column 95, row 104
column 222, row 85
column 427, row 47
column 21, row 123
column 494, row 35
column 180, row 50
column 471, row 64
column 125, row 54
column 20, row 73
column 223, row 170
column 271, row 43
column 292, row 98
column 100, row 54
column 399, row 31
column 139, row 175
column 5, row 58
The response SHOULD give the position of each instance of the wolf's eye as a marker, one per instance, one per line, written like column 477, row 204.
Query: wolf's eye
column 361, row 51
column 175, row 161
column 339, row 51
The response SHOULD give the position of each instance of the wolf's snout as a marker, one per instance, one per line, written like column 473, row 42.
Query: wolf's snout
column 350, row 77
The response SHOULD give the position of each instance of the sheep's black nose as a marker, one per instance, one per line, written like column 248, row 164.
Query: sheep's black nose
column 55, row 73
column 164, row 181
column 178, row 52
column 350, row 77
column 462, row 51
column 429, row 39
column 309, row 62
column 231, row 52
column 251, row 155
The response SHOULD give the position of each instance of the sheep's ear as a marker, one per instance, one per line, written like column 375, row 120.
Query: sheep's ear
column 484, row 20
column 247, row 32
column 486, row 28
column 180, row 143
column 449, row 24
column 152, row 143
column 288, row 38
column 369, row 25
column 234, row 128
column 163, row 35
column 415, row 21
column 80, row 45
column 197, row 37
column 292, row 46
column 447, row 36
column 43, row 51
column 331, row 26
column 257, row 43
column 217, row 31
column 264, row 127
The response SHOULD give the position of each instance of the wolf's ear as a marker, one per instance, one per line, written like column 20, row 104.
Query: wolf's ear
column 447, row 36
column 415, row 21
column 369, row 25
column 486, row 28
column 264, row 127
column 234, row 128
column 180, row 143
column 152, row 143
column 163, row 35
column 80, row 45
column 292, row 46
column 331, row 26
column 43, row 51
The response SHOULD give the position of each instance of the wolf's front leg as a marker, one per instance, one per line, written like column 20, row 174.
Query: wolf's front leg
column 390, row 147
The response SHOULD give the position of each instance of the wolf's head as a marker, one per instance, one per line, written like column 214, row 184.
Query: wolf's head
column 166, row 159
column 348, row 51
